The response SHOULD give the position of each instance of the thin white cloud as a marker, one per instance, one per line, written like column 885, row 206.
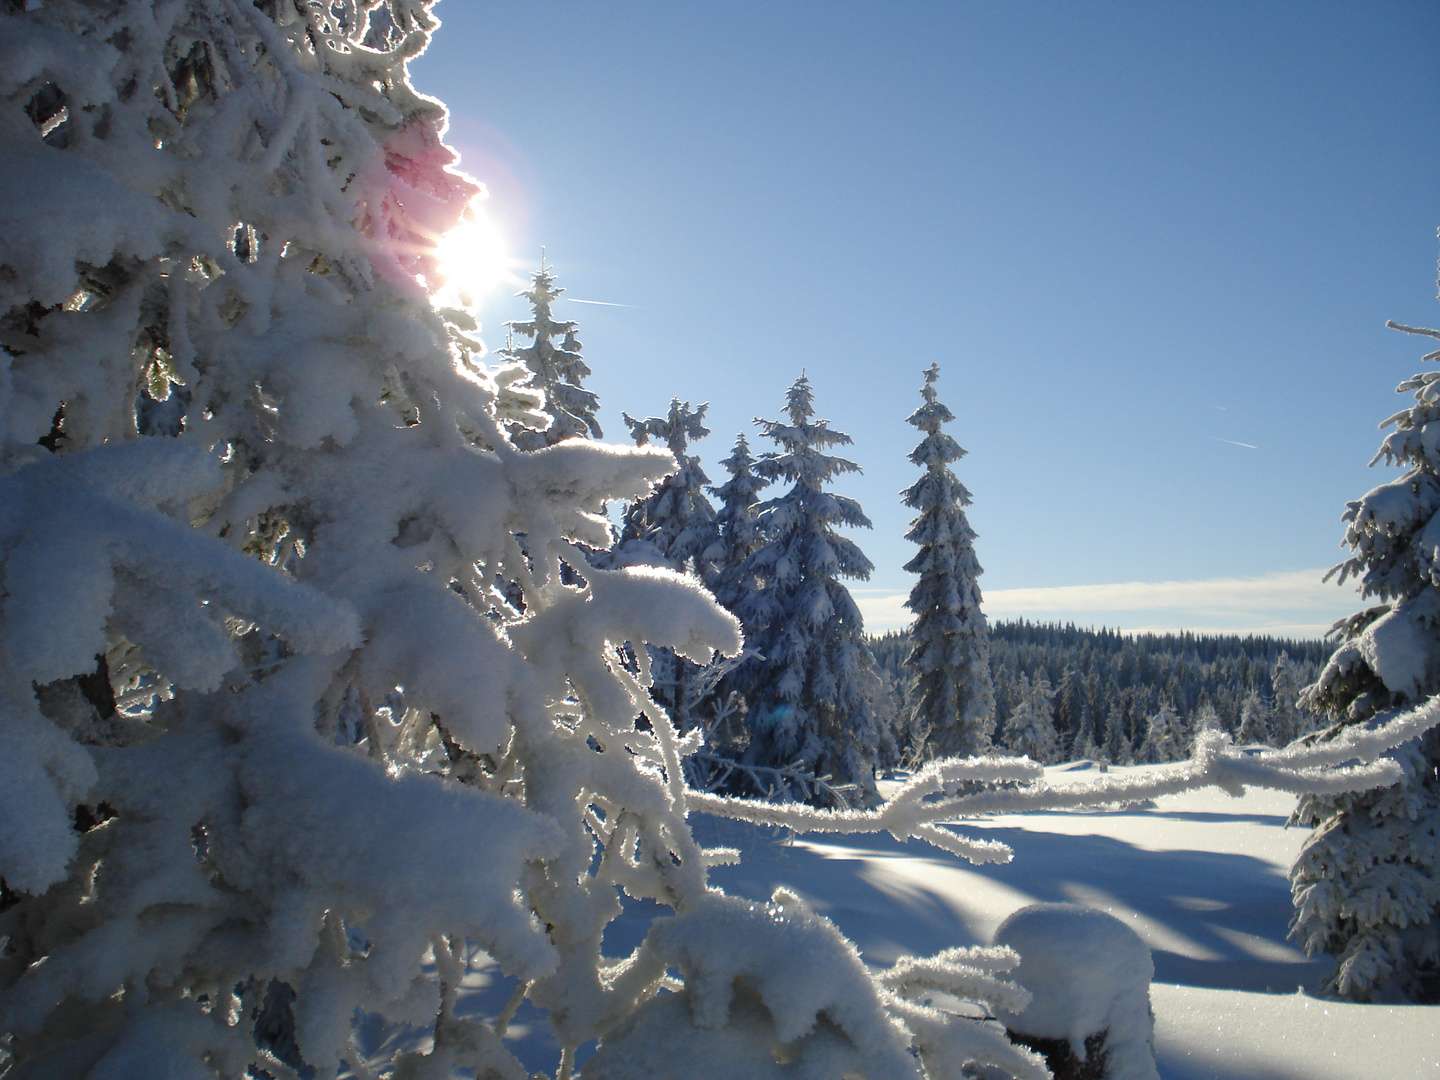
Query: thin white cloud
column 1232, row 442
column 1294, row 603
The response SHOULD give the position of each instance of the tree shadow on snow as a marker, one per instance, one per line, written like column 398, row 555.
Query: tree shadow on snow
column 1211, row 919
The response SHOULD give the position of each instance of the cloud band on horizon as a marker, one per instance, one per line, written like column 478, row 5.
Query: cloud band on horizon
column 1287, row 604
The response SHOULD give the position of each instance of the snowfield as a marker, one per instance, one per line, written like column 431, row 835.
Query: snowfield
column 1201, row 877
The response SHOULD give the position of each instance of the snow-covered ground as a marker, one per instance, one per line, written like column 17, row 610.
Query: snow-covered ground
column 1200, row 876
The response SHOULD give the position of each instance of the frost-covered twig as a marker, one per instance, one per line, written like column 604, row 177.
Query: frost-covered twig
column 771, row 783
column 917, row 808
column 1421, row 330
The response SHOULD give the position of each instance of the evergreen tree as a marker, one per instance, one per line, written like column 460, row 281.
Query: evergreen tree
column 1030, row 728
column 737, row 531
column 1166, row 739
column 557, row 371
column 674, row 526
column 808, row 701
column 1084, row 746
column 953, row 697
column 735, row 537
column 1117, row 747
column 1367, row 883
column 1287, row 719
column 1254, row 727
column 1207, row 719
column 271, row 759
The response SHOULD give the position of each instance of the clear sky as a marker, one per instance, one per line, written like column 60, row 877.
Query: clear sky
column 1152, row 247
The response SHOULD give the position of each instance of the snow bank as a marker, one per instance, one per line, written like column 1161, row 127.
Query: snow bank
column 1087, row 973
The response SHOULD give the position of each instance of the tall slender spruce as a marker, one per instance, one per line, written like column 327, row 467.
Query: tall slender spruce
column 953, row 697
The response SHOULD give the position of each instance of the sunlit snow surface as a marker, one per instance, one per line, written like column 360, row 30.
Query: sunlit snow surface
column 1200, row 876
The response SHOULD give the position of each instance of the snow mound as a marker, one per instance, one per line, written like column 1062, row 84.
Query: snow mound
column 1088, row 972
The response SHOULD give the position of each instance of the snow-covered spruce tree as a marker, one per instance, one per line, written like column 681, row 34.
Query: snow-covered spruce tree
column 1367, row 882
column 226, row 828
column 1288, row 722
column 1084, row 745
column 673, row 527
column 737, row 532
column 1207, row 718
column 556, row 370
column 735, row 536
column 1030, row 728
column 1117, row 746
column 953, row 700
column 809, row 692
column 1254, row 725
column 1167, row 738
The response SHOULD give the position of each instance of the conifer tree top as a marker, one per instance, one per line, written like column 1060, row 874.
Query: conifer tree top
column 678, row 429
column 937, row 449
column 558, row 371
column 799, row 459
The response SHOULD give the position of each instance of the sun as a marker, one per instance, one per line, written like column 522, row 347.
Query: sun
column 473, row 260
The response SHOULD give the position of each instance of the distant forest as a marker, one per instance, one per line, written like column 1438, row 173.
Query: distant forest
column 1119, row 682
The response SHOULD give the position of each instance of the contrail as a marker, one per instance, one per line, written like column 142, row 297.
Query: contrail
column 603, row 303
column 1232, row 442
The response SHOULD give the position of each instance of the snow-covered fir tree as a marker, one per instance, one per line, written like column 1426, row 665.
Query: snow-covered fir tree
column 1254, row 727
column 1083, row 745
column 1287, row 720
column 809, row 700
column 952, row 700
column 1367, row 883
column 736, row 536
column 1167, row 736
column 1030, row 728
column 1207, row 719
column 1118, row 747
column 557, row 370
column 737, row 530
column 675, row 525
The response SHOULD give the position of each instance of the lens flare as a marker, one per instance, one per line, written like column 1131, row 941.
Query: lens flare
column 473, row 259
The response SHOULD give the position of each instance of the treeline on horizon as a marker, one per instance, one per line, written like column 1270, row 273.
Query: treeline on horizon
column 1115, row 677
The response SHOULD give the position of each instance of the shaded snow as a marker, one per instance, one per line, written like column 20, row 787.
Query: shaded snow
column 1201, row 877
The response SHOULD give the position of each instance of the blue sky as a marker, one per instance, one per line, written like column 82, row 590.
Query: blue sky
column 1151, row 246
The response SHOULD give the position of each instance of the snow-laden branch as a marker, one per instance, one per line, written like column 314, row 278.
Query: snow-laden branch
column 1352, row 761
